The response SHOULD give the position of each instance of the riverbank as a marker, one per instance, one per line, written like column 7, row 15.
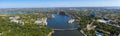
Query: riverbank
column 50, row 34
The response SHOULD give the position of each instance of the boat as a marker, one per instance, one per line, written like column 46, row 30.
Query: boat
column 71, row 21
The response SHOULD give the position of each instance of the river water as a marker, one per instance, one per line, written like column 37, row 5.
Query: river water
column 60, row 22
column 15, row 13
column 61, row 26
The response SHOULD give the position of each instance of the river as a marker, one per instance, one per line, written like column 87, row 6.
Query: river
column 61, row 26
column 15, row 13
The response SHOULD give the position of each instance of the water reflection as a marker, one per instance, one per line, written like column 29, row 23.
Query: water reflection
column 61, row 22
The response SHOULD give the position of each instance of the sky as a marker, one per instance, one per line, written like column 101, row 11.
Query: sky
column 57, row 3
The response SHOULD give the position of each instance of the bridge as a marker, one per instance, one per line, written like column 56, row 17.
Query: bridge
column 66, row 29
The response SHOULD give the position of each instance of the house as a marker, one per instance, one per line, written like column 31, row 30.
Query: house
column 11, row 18
column 109, row 22
column 15, row 19
column 39, row 21
column 20, row 22
column 45, row 21
column 90, row 27
column 103, row 21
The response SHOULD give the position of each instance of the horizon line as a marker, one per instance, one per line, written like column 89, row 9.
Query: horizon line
column 63, row 7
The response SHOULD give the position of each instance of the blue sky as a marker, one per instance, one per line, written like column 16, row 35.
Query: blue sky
column 57, row 3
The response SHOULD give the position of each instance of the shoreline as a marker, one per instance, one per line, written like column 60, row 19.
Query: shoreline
column 50, row 34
